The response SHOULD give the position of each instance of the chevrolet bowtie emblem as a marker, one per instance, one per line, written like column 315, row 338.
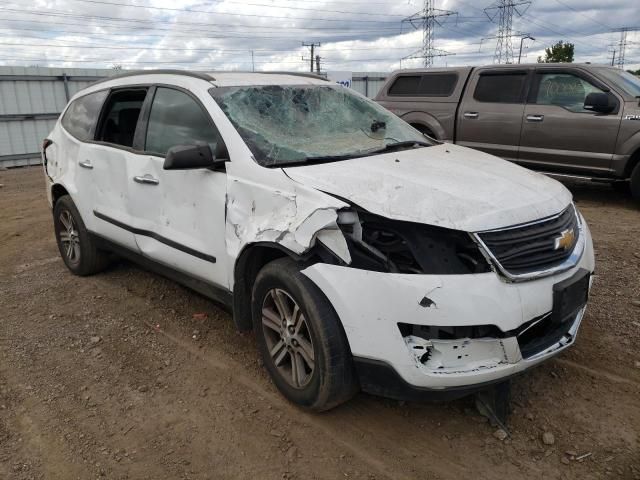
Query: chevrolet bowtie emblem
column 565, row 240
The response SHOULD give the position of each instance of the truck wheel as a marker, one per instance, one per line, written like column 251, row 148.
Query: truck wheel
column 300, row 338
column 634, row 183
column 75, row 243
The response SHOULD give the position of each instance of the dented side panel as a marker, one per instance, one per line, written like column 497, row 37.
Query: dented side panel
column 276, row 211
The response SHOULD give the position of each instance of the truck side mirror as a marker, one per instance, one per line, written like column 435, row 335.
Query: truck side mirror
column 191, row 157
column 599, row 102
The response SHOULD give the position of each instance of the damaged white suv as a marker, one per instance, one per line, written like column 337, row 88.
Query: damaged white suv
column 363, row 254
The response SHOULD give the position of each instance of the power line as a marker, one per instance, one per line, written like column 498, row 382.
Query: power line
column 271, row 5
column 504, row 10
column 429, row 17
column 256, row 15
column 584, row 15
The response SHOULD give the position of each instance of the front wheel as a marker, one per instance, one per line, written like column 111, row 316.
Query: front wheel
column 301, row 339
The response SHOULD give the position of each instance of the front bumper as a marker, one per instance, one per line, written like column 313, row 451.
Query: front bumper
column 372, row 304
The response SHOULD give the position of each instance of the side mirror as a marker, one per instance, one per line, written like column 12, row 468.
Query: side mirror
column 599, row 102
column 191, row 157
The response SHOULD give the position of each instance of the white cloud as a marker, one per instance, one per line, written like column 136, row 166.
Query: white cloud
column 356, row 35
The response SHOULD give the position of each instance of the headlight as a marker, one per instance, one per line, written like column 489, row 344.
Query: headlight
column 380, row 244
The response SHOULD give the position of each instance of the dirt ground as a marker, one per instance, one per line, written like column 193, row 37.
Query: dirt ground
column 112, row 376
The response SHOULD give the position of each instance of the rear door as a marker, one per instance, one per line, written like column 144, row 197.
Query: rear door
column 108, row 158
column 558, row 133
column 72, row 152
column 179, row 215
column 490, row 115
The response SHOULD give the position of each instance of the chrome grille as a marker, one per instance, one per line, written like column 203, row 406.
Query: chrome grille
column 536, row 246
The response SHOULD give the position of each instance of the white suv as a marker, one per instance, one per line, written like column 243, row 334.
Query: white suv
column 363, row 254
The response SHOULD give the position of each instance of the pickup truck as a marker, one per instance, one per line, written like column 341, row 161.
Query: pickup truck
column 578, row 120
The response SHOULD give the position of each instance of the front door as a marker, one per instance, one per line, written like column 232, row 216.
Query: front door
column 179, row 215
column 490, row 116
column 558, row 133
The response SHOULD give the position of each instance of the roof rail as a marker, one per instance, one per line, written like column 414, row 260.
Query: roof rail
column 298, row 74
column 133, row 73
column 278, row 72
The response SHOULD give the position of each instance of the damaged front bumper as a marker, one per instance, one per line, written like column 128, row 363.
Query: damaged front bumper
column 376, row 307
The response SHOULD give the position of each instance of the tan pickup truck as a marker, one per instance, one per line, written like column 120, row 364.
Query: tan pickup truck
column 564, row 119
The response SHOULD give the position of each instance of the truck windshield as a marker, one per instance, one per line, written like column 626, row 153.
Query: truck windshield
column 293, row 124
column 628, row 82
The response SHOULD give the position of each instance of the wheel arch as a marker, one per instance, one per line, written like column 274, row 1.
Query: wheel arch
column 57, row 191
column 425, row 123
column 248, row 263
column 634, row 160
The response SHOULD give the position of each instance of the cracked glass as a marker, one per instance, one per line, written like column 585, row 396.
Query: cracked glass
column 293, row 124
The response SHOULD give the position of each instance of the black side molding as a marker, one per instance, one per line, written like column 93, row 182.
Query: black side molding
column 155, row 236
column 220, row 295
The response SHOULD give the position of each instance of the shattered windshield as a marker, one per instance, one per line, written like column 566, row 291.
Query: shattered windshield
column 294, row 124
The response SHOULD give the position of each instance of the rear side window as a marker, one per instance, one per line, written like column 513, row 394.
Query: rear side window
column 427, row 85
column 177, row 119
column 118, row 125
column 82, row 115
column 500, row 88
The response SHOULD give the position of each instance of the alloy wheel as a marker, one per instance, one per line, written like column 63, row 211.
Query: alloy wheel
column 288, row 338
column 69, row 237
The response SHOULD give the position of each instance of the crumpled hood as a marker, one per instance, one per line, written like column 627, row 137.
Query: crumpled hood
column 445, row 185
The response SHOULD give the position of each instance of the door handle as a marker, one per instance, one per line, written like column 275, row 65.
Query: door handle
column 86, row 164
column 535, row 118
column 470, row 114
column 146, row 180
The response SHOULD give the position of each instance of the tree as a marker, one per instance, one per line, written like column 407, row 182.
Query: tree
column 560, row 52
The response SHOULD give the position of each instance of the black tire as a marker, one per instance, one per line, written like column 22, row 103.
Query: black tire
column 332, row 380
column 634, row 183
column 85, row 258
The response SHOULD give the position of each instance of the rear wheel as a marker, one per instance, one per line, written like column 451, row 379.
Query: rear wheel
column 301, row 339
column 75, row 243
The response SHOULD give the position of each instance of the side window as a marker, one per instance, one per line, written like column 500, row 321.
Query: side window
column 82, row 115
column 120, row 117
column 438, row 84
column 405, row 85
column 564, row 90
column 427, row 85
column 177, row 119
column 500, row 88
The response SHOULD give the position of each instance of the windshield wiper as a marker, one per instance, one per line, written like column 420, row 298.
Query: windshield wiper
column 390, row 147
column 335, row 158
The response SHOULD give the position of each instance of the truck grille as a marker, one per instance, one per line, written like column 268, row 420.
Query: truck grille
column 536, row 246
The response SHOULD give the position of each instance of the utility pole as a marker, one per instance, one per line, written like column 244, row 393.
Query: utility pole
column 503, row 10
column 253, row 64
column 522, row 38
column 312, row 46
column 428, row 18
column 318, row 64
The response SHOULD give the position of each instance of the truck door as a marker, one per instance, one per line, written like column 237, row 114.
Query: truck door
column 558, row 133
column 490, row 115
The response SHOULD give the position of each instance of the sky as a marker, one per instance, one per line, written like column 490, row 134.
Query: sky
column 355, row 35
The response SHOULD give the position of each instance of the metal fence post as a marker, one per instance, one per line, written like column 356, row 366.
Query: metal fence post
column 65, row 79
